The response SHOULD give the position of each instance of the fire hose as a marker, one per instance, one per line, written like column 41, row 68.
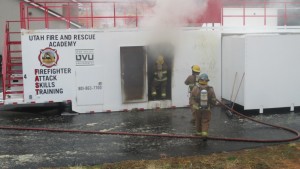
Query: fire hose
column 295, row 132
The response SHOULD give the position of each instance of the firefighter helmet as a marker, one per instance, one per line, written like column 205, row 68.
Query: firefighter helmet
column 196, row 68
column 160, row 60
column 203, row 77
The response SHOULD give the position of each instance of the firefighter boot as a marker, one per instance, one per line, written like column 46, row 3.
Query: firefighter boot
column 153, row 94
column 198, row 133
column 193, row 120
column 204, row 135
column 163, row 95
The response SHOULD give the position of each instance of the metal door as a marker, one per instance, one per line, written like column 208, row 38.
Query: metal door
column 133, row 74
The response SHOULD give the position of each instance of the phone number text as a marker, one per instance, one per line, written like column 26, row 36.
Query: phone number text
column 80, row 88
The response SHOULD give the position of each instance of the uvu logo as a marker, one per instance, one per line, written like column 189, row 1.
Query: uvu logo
column 84, row 57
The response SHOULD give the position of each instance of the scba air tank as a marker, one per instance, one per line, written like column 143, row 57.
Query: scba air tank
column 203, row 99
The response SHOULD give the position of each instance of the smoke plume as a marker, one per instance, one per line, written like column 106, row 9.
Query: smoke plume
column 173, row 12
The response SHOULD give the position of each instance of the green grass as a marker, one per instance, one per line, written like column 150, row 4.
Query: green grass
column 271, row 157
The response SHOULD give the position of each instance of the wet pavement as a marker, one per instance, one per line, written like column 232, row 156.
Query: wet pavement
column 31, row 149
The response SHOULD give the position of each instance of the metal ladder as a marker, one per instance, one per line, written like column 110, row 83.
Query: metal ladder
column 12, row 77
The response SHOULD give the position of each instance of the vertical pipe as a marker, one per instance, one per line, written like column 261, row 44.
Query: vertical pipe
column 244, row 12
column 285, row 14
column 22, row 14
column 25, row 15
column 27, row 19
column 136, row 15
column 46, row 16
column 92, row 14
column 124, row 16
column 222, row 15
column 265, row 13
column 115, row 14
column 68, row 15
column 8, row 68
column 4, row 63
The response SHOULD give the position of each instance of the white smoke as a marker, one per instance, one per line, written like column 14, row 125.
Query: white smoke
column 154, row 13
column 173, row 12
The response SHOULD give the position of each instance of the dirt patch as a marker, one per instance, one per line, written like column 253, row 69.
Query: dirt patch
column 270, row 157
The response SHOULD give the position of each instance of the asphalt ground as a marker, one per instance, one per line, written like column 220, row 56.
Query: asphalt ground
column 36, row 149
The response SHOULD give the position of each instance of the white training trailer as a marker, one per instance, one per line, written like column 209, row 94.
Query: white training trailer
column 112, row 70
column 109, row 67
column 270, row 65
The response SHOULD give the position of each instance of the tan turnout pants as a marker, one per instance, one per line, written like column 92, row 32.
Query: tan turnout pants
column 202, row 120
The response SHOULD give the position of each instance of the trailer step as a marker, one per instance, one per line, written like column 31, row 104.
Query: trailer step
column 15, row 78
column 14, row 72
column 14, row 64
column 15, row 51
column 14, row 92
column 13, row 85
column 14, row 32
column 14, row 42
column 15, row 57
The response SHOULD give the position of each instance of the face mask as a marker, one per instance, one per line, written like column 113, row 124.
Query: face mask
column 202, row 82
column 159, row 67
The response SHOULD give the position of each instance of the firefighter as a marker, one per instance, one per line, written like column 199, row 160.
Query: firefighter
column 203, row 99
column 160, row 78
column 192, row 81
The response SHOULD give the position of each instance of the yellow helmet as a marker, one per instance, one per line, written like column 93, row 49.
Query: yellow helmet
column 160, row 60
column 196, row 68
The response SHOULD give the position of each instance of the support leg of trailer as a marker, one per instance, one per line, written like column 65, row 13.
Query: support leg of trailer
column 292, row 107
column 261, row 109
column 67, row 109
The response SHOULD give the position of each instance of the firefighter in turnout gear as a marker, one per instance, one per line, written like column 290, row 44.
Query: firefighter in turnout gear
column 160, row 78
column 192, row 81
column 203, row 99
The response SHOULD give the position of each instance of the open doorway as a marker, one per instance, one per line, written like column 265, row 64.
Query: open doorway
column 154, row 51
column 133, row 70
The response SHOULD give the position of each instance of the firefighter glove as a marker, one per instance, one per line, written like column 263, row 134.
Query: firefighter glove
column 195, row 107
